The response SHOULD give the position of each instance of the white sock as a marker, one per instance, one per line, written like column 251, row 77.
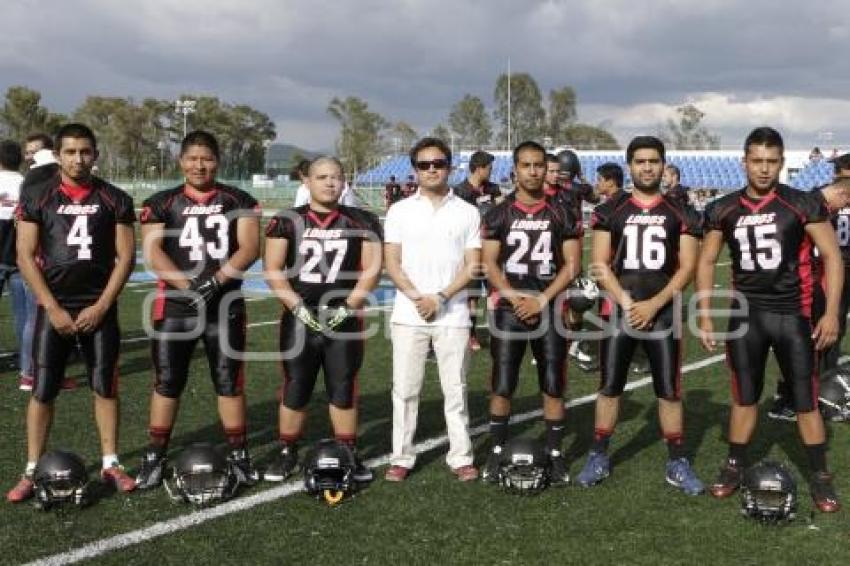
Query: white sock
column 110, row 460
column 30, row 469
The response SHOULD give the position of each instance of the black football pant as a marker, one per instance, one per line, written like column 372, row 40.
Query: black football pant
column 51, row 351
column 790, row 337
column 172, row 351
column 509, row 337
column 663, row 352
column 306, row 352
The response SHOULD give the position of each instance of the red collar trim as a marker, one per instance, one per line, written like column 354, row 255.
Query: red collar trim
column 533, row 209
column 323, row 224
column 757, row 205
column 201, row 197
column 76, row 193
column 647, row 205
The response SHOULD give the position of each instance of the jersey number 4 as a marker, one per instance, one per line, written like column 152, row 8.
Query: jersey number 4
column 191, row 237
column 768, row 250
column 78, row 236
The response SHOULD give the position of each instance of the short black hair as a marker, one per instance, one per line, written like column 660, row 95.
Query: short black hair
column 766, row 136
column 528, row 144
column 645, row 142
column 201, row 138
column 480, row 159
column 10, row 155
column 45, row 140
column 75, row 130
column 427, row 142
column 674, row 169
column 841, row 163
column 613, row 171
column 300, row 169
column 552, row 158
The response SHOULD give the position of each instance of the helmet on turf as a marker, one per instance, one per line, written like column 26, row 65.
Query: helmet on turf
column 834, row 394
column 523, row 468
column 769, row 493
column 570, row 164
column 201, row 476
column 582, row 293
column 60, row 477
column 329, row 470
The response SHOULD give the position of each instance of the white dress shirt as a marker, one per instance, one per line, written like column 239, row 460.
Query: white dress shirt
column 433, row 242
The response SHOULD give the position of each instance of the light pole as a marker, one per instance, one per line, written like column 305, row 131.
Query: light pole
column 266, row 145
column 185, row 107
column 160, row 145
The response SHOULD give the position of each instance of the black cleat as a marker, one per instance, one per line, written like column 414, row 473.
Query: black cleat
column 244, row 469
column 151, row 471
column 559, row 471
column 823, row 493
column 362, row 473
column 490, row 472
column 283, row 465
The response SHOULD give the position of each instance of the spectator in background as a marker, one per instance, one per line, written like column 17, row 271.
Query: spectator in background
column 609, row 179
column 410, row 187
column 674, row 189
column 392, row 192
column 299, row 172
column 10, row 189
column 34, row 143
column 815, row 155
column 478, row 191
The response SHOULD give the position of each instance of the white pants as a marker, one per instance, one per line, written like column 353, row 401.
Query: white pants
column 410, row 350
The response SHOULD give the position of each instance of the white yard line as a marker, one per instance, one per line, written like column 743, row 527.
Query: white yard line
column 183, row 522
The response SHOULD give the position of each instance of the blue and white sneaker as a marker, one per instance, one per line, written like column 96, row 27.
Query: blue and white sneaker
column 596, row 469
column 682, row 476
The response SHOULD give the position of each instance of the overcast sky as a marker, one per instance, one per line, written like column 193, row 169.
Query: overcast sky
column 744, row 63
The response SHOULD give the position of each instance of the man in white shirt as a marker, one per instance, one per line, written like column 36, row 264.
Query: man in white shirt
column 432, row 248
column 10, row 189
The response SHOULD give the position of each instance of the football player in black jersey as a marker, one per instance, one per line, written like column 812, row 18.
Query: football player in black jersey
column 199, row 238
column 479, row 191
column 530, row 252
column 836, row 195
column 609, row 180
column 76, row 249
column 322, row 260
column 645, row 248
column 770, row 229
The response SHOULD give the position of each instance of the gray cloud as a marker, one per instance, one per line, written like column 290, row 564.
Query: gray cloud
column 413, row 59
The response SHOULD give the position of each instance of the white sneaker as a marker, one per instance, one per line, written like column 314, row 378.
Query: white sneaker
column 581, row 357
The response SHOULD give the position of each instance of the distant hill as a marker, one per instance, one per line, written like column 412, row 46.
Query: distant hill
column 282, row 157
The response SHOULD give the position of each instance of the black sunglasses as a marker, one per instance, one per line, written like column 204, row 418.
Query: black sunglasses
column 436, row 163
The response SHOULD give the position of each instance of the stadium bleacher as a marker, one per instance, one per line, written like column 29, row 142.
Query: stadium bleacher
column 814, row 174
column 698, row 171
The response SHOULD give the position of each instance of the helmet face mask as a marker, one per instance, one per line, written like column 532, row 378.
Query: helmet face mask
column 834, row 394
column 769, row 493
column 60, row 478
column 201, row 476
column 329, row 471
column 582, row 294
column 523, row 469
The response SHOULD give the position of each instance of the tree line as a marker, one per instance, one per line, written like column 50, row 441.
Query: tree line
column 139, row 139
column 365, row 135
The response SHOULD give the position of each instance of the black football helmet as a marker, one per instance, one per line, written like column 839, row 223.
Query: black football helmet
column 582, row 294
column 524, row 467
column 769, row 493
column 60, row 477
column 834, row 394
column 329, row 471
column 569, row 163
column 201, row 476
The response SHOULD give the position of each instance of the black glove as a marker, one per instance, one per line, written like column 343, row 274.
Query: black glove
column 204, row 290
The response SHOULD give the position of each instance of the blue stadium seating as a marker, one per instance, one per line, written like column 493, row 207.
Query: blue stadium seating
column 813, row 175
column 701, row 171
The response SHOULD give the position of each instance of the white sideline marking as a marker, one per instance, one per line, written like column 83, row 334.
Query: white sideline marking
column 171, row 526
